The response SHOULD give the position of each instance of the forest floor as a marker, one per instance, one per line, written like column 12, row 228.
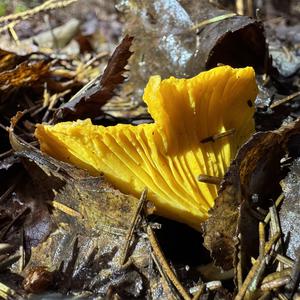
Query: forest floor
column 67, row 234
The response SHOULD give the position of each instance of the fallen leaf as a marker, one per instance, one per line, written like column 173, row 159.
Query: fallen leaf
column 92, row 223
column 255, row 172
column 25, row 74
column 188, row 37
column 225, row 38
column 89, row 100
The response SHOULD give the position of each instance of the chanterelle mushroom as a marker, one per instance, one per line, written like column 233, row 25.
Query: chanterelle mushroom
column 168, row 155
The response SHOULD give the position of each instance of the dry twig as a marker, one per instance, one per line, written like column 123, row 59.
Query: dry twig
column 14, row 19
column 128, row 238
column 164, row 265
column 285, row 100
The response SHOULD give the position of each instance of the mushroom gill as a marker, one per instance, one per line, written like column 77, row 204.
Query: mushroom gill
column 168, row 155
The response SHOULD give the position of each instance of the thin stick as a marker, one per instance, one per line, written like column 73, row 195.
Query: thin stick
column 200, row 292
column 48, row 5
column 5, row 247
column 257, row 277
column 92, row 60
column 282, row 296
column 132, row 226
column 22, row 251
column 276, row 283
column 249, row 278
column 212, row 20
column 218, row 136
column 265, row 296
column 277, row 275
column 239, row 4
column 262, row 239
column 6, row 153
column 166, row 280
column 7, row 291
column 275, row 226
column 239, row 271
column 277, row 202
column 23, row 212
column 209, row 179
column 9, row 261
column 256, row 267
column 286, row 261
column 64, row 208
column 250, row 8
column 14, row 34
column 8, row 192
column 271, row 242
column 274, row 220
column 165, row 266
column 14, row 19
column 285, row 100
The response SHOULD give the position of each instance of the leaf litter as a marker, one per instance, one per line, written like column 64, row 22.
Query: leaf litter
column 63, row 230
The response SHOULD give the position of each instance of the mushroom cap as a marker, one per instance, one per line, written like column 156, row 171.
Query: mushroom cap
column 167, row 156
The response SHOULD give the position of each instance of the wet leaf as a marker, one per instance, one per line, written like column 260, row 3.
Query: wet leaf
column 89, row 100
column 255, row 172
column 233, row 40
column 26, row 203
column 185, row 39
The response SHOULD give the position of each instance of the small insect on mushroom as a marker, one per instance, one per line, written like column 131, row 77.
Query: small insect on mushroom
column 168, row 155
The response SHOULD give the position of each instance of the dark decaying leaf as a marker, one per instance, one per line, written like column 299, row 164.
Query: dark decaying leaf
column 185, row 38
column 92, row 221
column 255, row 173
column 25, row 192
column 237, row 41
column 89, row 100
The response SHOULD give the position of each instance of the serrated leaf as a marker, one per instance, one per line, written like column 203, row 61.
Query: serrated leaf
column 88, row 101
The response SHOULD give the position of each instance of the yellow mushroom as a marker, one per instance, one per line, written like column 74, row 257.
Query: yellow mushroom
column 168, row 155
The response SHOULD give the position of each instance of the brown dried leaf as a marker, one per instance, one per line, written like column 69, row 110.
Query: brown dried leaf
column 89, row 100
column 25, row 208
column 237, row 41
column 114, row 208
column 183, row 46
column 93, row 220
column 9, row 60
column 25, row 74
column 255, row 171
